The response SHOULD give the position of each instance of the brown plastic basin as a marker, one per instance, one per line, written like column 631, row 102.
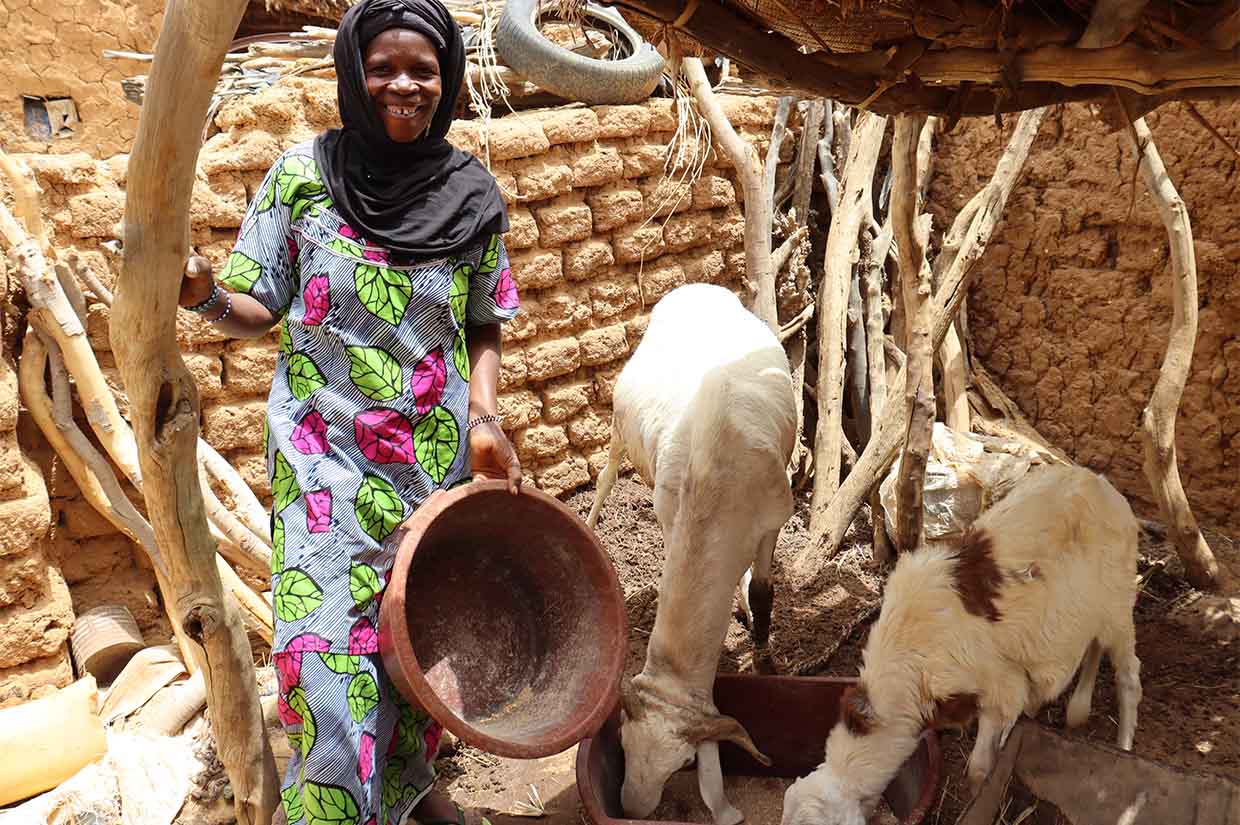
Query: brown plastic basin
column 789, row 718
column 505, row 620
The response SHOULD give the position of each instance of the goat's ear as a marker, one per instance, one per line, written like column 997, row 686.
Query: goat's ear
column 721, row 728
column 630, row 702
column 955, row 711
column 856, row 712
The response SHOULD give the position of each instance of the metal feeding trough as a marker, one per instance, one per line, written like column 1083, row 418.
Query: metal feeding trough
column 505, row 620
column 789, row 718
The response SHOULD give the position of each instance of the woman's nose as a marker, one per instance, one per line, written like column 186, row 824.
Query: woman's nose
column 403, row 84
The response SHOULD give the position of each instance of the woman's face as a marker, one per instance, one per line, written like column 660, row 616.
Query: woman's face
column 402, row 77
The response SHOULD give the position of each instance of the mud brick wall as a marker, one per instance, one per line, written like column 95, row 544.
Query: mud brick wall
column 54, row 48
column 591, row 252
column 1072, row 303
column 35, row 609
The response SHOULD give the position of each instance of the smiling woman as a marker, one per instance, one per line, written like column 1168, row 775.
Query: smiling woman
column 402, row 77
column 378, row 246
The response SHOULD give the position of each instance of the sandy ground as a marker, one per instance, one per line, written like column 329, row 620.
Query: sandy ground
column 1189, row 717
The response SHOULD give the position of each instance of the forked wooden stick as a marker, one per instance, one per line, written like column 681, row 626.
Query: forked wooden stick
column 164, row 400
column 963, row 246
column 1158, row 418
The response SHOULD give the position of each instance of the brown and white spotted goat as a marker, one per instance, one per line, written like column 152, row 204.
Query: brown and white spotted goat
column 1041, row 583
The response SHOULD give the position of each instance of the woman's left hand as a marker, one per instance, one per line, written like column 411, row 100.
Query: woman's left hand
column 491, row 455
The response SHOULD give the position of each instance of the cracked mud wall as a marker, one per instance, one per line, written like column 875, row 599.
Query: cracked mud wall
column 54, row 48
column 1071, row 306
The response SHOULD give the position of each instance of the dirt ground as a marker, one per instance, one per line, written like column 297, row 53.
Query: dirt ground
column 1189, row 716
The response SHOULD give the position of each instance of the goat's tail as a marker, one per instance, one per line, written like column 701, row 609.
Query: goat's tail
column 607, row 478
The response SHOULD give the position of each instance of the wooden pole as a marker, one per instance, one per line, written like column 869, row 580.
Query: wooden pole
column 963, row 246
column 163, row 398
column 832, row 306
column 1158, row 418
column 912, row 234
column 751, row 173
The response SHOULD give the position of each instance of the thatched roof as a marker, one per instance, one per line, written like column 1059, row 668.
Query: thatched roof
column 970, row 56
column 947, row 57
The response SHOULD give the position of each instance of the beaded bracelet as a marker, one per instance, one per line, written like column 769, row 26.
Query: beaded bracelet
column 227, row 309
column 211, row 300
column 482, row 419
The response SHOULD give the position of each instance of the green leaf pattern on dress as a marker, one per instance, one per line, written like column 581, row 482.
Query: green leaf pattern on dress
column 296, row 596
column 384, row 292
column 436, row 440
column 304, row 378
column 240, row 272
column 375, row 373
column 284, row 486
column 378, row 507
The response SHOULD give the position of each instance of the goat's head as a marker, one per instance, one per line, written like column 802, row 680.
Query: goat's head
column 659, row 738
column 830, row 795
column 819, row 799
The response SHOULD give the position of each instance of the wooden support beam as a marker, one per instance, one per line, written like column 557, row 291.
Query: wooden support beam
column 912, row 233
column 803, row 176
column 1049, row 74
column 963, row 247
column 1158, row 418
column 163, row 397
column 832, row 305
column 751, row 173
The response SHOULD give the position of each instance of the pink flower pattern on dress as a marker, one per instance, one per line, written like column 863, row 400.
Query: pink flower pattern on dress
column 319, row 511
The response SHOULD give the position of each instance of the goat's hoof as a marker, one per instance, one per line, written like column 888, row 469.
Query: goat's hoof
column 763, row 664
column 729, row 816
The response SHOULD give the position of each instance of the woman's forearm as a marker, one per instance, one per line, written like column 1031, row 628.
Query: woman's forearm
column 247, row 318
column 485, row 348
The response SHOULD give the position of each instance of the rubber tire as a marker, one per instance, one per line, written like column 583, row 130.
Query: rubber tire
column 520, row 45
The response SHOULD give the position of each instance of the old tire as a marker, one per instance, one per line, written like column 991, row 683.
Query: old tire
column 520, row 45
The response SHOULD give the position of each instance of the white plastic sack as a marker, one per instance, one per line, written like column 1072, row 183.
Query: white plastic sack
column 965, row 474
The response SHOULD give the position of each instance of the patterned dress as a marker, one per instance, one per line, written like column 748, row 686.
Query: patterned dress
column 365, row 419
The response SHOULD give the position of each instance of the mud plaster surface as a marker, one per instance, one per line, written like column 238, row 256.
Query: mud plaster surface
column 1188, row 716
column 1071, row 302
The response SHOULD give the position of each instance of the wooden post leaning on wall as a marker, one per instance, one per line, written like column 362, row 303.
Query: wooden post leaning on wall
column 962, row 247
column 912, row 232
column 832, row 305
column 1158, row 418
column 751, row 173
column 164, row 400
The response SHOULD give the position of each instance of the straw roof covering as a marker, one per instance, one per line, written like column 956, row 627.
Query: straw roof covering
column 958, row 57
column 947, row 57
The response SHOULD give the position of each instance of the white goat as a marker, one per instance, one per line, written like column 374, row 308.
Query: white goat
column 1041, row 583
column 705, row 411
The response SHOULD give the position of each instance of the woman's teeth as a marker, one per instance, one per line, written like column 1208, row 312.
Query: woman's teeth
column 402, row 111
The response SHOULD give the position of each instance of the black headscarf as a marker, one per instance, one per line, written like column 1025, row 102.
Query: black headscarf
column 423, row 199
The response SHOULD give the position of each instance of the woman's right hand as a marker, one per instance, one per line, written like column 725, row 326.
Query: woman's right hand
column 197, row 283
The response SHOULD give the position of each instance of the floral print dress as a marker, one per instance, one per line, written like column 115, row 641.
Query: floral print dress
column 365, row 419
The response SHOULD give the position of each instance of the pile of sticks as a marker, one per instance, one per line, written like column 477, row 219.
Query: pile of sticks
column 891, row 321
column 56, row 359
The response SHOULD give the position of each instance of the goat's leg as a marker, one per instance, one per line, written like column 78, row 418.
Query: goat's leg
column 710, row 785
column 1123, row 656
column 992, row 732
column 607, row 478
column 1083, row 694
column 759, row 594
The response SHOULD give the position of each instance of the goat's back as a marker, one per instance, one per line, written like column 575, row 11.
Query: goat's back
column 1041, row 574
column 695, row 331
